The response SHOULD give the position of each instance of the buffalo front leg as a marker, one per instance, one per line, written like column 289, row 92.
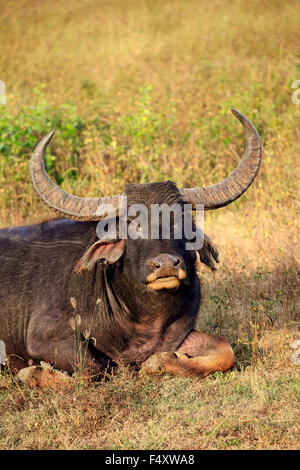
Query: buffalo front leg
column 62, row 348
column 65, row 355
column 200, row 354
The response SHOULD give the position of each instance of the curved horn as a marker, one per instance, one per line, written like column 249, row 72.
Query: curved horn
column 223, row 193
column 69, row 206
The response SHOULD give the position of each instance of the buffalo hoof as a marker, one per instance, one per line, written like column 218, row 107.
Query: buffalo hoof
column 221, row 358
column 44, row 376
column 166, row 362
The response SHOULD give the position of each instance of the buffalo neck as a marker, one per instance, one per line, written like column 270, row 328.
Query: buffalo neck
column 142, row 303
column 132, row 322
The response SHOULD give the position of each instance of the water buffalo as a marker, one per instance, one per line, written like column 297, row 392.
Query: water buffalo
column 129, row 301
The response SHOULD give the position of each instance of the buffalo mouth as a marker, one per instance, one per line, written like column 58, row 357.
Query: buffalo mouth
column 171, row 282
column 167, row 282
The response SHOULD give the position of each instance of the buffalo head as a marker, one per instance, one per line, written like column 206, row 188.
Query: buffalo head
column 164, row 264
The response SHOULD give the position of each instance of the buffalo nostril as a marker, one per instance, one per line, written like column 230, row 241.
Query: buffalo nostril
column 165, row 263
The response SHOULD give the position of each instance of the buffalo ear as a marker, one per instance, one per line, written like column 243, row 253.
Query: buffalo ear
column 209, row 253
column 108, row 252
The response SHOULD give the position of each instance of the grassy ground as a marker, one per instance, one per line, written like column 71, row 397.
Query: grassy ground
column 139, row 94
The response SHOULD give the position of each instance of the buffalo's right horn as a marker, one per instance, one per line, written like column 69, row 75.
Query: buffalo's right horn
column 72, row 207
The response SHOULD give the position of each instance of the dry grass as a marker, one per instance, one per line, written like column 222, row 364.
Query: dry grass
column 254, row 408
column 200, row 58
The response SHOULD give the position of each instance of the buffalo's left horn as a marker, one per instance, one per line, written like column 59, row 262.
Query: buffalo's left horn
column 223, row 193
column 72, row 207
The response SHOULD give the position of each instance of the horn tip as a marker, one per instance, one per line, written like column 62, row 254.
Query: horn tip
column 50, row 135
column 41, row 146
column 241, row 117
column 45, row 141
column 235, row 112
